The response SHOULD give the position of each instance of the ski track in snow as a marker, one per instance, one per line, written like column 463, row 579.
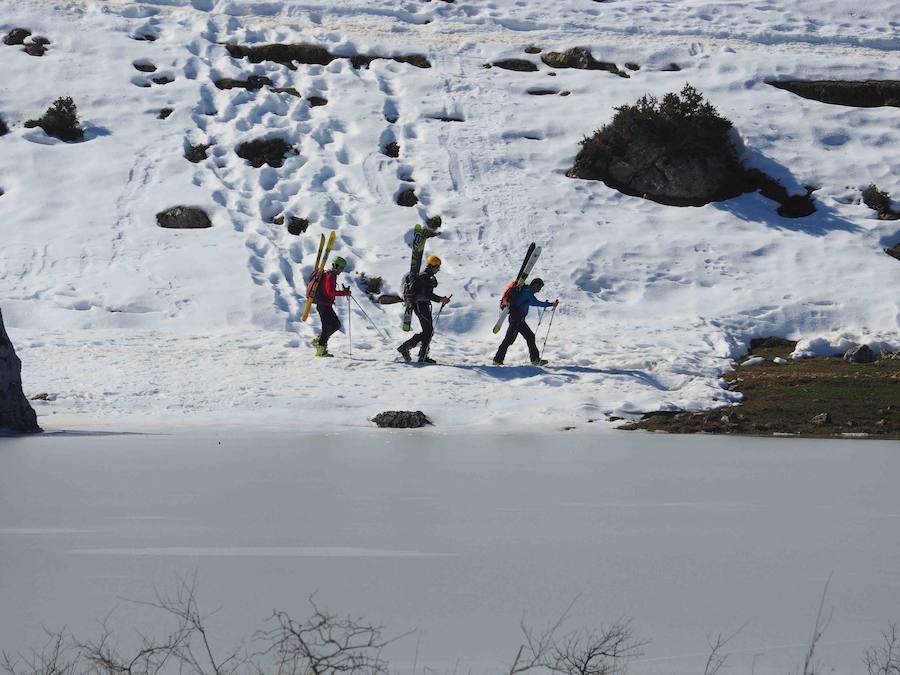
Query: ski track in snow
column 126, row 323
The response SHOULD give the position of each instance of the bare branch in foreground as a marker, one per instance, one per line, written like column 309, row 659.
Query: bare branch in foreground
column 821, row 624
column 56, row 657
column 884, row 660
column 589, row 652
column 325, row 644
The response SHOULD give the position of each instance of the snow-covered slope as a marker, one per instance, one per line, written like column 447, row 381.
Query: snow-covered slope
column 123, row 322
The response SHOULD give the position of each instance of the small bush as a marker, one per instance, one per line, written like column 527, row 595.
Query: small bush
column 60, row 120
column 373, row 285
column 877, row 200
column 682, row 124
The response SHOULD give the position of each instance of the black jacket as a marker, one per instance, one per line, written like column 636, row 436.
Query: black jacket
column 423, row 287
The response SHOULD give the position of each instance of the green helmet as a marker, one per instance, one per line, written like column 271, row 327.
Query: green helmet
column 339, row 262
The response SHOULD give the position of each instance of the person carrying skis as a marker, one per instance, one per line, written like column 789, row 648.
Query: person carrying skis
column 518, row 310
column 325, row 296
column 423, row 295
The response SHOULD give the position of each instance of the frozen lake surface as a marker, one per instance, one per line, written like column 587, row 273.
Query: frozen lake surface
column 455, row 536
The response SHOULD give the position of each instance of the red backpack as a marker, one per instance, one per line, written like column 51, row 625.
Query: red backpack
column 510, row 293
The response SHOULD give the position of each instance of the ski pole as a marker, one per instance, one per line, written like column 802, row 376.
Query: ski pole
column 549, row 326
column 434, row 323
column 349, row 328
column 380, row 334
column 541, row 320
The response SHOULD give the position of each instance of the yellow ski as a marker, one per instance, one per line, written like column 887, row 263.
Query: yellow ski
column 321, row 260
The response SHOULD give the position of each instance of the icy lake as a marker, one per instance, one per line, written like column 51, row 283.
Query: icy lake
column 456, row 536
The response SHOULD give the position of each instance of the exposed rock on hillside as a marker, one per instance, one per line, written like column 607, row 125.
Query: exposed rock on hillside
column 860, row 354
column 865, row 94
column 16, row 36
column 880, row 202
column 289, row 55
column 582, row 59
column 252, row 83
column 271, row 151
column 401, row 419
column 16, row 413
column 183, row 218
column 520, row 65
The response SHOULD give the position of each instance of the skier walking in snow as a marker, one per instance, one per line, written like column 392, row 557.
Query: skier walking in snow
column 522, row 299
column 325, row 296
column 422, row 290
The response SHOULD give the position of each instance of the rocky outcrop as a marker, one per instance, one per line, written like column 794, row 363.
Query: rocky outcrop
column 16, row 413
column 581, row 59
column 401, row 419
column 252, row 83
column 860, row 354
column 864, row 94
column 291, row 54
column 271, row 151
column 520, row 65
column 183, row 218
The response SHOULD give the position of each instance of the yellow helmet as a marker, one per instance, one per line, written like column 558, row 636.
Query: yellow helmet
column 433, row 261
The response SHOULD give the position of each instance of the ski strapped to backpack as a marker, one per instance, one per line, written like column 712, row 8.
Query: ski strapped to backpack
column 511, row 291
column 312, row 288
column 415, row 265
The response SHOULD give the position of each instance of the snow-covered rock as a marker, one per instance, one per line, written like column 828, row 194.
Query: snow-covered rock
column 16, row 413
column 753, row 361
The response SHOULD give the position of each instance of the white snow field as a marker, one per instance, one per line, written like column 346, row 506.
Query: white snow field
column 127, row 325
column 454, row 538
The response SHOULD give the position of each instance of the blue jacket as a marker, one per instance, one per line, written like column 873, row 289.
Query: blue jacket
column 525, row 299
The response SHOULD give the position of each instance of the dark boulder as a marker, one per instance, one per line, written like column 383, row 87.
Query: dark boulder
column 252, row 83
column 285, row 90
column 407, row 198
column 392, row 149
column 16, row 413
column 401, row 419
column 271, row 151
column 297, row 226
column 316, row 101
column 859, row 94
column 35, row 49
column 520, row 65
column 860, row 354
column 183, row 218
column 581, row 59
column 16, row 36
column 196, row 153
column 3, row 128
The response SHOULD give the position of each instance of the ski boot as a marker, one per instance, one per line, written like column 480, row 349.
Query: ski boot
column 497, row 363
column 427, row 361
column 322, row 350
column 404, row 352
column 539, row 362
